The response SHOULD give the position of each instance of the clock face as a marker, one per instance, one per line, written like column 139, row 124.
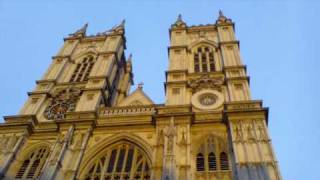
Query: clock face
column 58, row 110
column 207, row 99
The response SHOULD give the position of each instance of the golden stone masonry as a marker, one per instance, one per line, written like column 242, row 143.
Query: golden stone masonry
column 81, row 122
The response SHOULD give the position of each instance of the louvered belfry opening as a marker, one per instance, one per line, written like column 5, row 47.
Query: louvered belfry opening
column 204, row 59
column 83, row 69
column 224, row 164
column 33, row 164
column 200, row 162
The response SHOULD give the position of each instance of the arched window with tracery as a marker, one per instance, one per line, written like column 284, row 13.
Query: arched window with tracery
column 122, row 161
column 83, row 69
column 224, row 164
column 204, row 59
column 200, row 162
column 212, row 159
column 33, row 164
column 212, row 162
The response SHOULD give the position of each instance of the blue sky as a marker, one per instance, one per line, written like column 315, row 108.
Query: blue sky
column 279, row 43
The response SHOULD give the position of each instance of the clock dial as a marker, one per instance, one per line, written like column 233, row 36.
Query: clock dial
column 58, row 110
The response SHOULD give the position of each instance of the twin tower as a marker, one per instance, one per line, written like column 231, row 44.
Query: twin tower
column 81, row 122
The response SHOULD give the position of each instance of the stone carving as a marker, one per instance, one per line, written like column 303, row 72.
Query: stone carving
column 249, row 131
column 238, row 132
column 160, row 138
column 77, row 141
column 62, row 102
column 183, row 140
column 204, row 82
column 170, row 132
column 127, row 110
column 8, row 143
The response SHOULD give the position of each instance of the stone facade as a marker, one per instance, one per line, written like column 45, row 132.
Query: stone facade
column 81, row 122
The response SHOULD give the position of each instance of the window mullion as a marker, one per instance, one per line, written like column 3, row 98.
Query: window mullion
column 26, row 172
column 124, row 163
column 134, row 164
column 208, row 61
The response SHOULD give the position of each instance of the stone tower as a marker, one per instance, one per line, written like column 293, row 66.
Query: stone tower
column 81, row 122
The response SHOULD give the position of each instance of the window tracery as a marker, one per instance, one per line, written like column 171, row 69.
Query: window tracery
column 32, row 165
column 204, row 59
column 83, row 69
column 123, row 161
column 212, row 156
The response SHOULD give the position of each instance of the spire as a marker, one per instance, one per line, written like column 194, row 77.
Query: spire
column 221, row 14
column 179, row 22
column 81, row 32
column 222, row 18
column 179, row 19
column 119, row 27
column 129, row 60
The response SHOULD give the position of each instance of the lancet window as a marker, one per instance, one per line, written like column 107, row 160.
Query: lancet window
column 83, row 69
column 33, row 163
column 123, row 161
column 212, row 156
column 204, row 59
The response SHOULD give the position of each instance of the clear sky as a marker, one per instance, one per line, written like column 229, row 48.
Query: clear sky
column 279, row 43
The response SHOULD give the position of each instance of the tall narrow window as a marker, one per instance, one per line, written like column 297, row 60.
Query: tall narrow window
column 204, row 59
column 83, row 69
column 32, row 165
column 224, row 165
column 212, row 162
column 200, row 162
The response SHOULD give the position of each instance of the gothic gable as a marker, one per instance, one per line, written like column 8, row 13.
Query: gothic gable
column 138, row 97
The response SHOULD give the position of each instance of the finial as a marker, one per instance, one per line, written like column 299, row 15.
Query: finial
column 220, row 13
column 179, row 22
column 123, row 22
column 81, row 31
column 179, row 17
column 222, row 18
column 140, row 85
column 129, row 58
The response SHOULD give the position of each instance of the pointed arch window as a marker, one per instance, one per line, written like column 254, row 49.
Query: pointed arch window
column 224, row 164
column 83, row 69
column 200, row 162
column 204, row 59
column 123, row 161
column 33, row 164
column 212, row 157
column 212, row 162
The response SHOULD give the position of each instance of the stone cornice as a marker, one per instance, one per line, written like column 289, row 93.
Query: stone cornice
column 245, row 108
column 46, row 81
column 23, row 122
column 234, row 67
column 247, row 78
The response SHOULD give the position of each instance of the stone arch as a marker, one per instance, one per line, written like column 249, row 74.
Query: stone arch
column 202, row 42
column 105, row 145
column 79, row 56
column 30, row 148
column 30, row 160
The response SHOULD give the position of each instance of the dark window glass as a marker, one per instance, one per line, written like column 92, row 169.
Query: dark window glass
column 212, row 162
column 200, row 162
column 112, row 159
column 129, row 160
column 224, row 165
